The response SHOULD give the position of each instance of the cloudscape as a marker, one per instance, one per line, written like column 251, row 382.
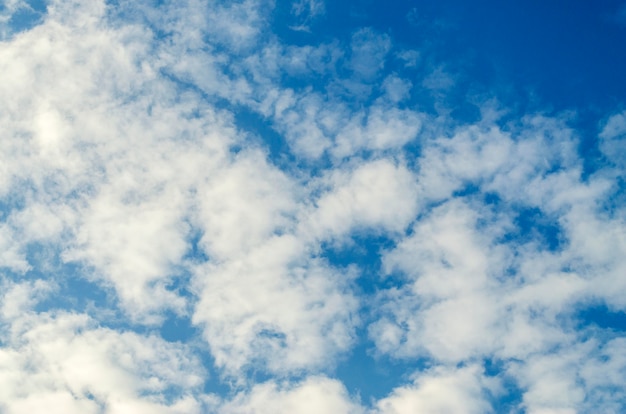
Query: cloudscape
column 305, row 206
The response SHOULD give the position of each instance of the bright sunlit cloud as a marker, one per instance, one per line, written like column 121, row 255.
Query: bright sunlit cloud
column 306, row 207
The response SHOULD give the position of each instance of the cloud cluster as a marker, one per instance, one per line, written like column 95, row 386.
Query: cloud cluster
column 126, row 163
column 65, row 363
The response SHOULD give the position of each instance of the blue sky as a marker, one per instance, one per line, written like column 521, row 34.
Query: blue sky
column 307, row 207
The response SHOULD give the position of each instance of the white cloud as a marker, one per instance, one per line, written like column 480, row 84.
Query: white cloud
column 451, row 269
column 379, row 194
column 20, row 298
column 552, row 383
column 237, row 23
column 441, row 390
column 472, row 154
column 601, row 373
column 117, row 197
column 381, row 129
column 438, row 80
column 241, row 205
column 307, row 122
column 66, row 360
column 308, row 7
column 471, row 293
column 275, row 308
column 8, row 11
column 368, row 52
column 113, row 157
column 312, row 395
column 396, row 88
column 135, row 247
column 305, row 12
column 12, row 256
column 409, row 57
column 612, row 140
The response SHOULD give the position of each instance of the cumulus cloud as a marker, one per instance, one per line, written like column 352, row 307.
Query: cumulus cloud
column 379, row 194
column 441, row 390
column 126, row 162
column 65, row 362
column 314, row 395
column 275, row 308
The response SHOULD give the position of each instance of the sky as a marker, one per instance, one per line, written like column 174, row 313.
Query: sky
column 304, row 206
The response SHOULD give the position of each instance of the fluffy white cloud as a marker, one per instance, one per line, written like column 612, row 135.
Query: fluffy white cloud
column 441, row 390
column 384, row 128
column 380, row 195
column 241, row 205
column 313, row 395
column 64, row 362
column 113, row 157
column 474, row 289
column 275, row 308
column 119, row 153
column 453, row 270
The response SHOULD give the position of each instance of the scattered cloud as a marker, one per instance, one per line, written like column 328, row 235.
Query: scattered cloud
column 314, row 395
column 199, row 169
column 441, row 390
column 305, row 12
